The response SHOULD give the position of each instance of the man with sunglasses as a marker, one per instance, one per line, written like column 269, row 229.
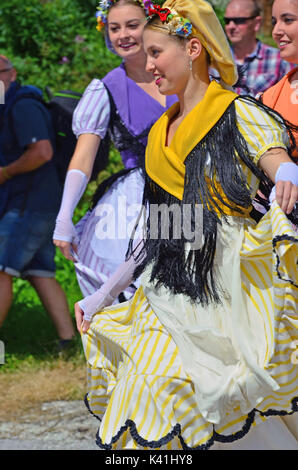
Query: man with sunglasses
column 30, row 194
column 259, row 65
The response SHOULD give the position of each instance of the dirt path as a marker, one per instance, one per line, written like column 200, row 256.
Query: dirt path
column 58, row 425
column 44, row 409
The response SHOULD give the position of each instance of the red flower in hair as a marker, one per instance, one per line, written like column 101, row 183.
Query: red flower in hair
column 161, row 12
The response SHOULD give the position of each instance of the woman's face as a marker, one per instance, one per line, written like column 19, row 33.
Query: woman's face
column 285, row 28
column 168, row 60
column 125, row 29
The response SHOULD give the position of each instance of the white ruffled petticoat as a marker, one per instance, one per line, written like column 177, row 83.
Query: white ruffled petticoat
column 104, row 233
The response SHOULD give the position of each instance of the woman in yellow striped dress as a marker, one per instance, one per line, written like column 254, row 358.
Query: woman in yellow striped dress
column 203, row 356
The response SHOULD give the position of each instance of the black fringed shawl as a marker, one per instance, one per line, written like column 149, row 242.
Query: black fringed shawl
column 191, row 272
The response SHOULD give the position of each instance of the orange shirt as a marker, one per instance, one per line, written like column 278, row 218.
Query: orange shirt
column 283, row 98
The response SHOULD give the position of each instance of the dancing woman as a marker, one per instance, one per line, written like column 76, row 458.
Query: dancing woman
column 125, row 103
column 202, row 356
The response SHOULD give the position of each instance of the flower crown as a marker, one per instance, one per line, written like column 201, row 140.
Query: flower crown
column 105, row 5
column 176, row 24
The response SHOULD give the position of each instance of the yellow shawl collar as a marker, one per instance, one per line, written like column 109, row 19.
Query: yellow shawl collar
column 165, row 165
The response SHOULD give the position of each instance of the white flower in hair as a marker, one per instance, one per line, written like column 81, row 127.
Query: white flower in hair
column 104, row 4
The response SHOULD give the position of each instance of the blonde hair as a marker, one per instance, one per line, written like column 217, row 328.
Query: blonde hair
column 157, row 23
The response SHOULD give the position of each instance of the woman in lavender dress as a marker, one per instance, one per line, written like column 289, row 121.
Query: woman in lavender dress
column 125, row 103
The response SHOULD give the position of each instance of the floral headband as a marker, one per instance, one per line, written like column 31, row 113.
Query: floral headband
column 105, row 5
column 176, row 24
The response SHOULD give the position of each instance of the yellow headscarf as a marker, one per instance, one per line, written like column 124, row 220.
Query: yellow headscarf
column 165, row 164
column 207, row 28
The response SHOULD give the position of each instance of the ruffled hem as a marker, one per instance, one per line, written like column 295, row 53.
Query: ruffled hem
column 176, row 431
column 292, row 275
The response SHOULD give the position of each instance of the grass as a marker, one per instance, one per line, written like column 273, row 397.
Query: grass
column 30, row 338
column 28, row 333
column 35, row 371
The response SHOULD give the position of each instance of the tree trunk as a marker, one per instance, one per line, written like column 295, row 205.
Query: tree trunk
column 266, row 6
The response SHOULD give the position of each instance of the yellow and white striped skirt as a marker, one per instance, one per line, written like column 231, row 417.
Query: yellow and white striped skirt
column 164, row 373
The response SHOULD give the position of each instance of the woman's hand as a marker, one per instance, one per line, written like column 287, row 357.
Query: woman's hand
column 284, row 172
column 286, row 195
column 67, row 249
column 65, row 237
column 82, row 325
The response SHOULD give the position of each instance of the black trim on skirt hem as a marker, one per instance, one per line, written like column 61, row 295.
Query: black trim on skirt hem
column 176, row 431
column 275, row 241
column 88, row 407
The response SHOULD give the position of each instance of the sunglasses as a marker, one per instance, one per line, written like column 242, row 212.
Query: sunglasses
column 240, row 20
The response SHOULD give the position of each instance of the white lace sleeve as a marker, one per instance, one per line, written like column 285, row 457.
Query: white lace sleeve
column 118, row 282
column 92, row 113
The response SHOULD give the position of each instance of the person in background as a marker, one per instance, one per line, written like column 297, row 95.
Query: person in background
column 30, row 195
column 283, row 97
column 259, row 66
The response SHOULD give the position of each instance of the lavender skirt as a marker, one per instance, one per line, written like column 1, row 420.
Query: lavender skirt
column 104, row 233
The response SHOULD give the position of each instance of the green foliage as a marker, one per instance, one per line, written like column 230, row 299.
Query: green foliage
column 267, row 40
column 219, row 4
column 220, row 14
column 54, row 42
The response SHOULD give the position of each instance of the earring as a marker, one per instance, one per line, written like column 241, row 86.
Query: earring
column 190, row 64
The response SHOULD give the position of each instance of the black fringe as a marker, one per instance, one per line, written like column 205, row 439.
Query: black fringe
column 192, row 272
column 123, row 139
